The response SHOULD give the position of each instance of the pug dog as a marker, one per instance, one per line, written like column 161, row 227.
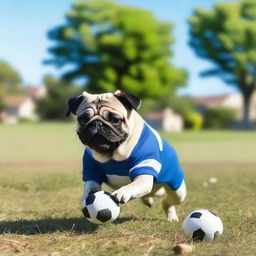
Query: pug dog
column 123, row 151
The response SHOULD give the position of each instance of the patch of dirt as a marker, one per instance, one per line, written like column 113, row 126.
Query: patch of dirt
column 224, row 166
column 39, row 165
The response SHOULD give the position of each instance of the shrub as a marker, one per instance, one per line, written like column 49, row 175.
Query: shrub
column 219, row 118
column 193, row 120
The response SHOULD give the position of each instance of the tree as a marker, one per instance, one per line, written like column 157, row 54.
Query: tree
column 54, row 105
column 113, row 46
column 226, row 35
column 10, row 79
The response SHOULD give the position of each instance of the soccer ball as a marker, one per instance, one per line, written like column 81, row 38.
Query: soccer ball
column 100, row 208
column 202, row 225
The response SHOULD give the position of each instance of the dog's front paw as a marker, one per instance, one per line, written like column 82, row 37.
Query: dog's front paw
column 121, row 196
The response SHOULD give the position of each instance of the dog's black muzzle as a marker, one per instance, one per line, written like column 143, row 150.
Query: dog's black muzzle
column 100, row 137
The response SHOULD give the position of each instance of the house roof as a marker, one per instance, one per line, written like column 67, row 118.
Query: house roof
column 32, row 90
column 16, row 101
column 210, row 100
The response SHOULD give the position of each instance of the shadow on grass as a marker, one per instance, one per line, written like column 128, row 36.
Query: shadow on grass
column 46, row 226
column 124, row 219
column 132, row 218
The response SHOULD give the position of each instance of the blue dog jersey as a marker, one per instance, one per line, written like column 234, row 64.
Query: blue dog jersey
column 152, row 156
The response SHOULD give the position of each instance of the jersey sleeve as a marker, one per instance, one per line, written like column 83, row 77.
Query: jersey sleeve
column 148, row 166
column 145, row 159
column 92, row 169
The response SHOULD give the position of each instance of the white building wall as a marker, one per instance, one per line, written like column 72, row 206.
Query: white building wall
column 234, row 101
column 172, row 122
column 27, row 110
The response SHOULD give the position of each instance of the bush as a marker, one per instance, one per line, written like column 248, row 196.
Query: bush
column 193, row 120
column 219, row 118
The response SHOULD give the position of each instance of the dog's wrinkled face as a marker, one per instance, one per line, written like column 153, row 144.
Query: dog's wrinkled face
column 103, row 121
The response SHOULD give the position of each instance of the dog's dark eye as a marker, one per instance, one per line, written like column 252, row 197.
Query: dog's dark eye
column 115, row 120
column 82, row 120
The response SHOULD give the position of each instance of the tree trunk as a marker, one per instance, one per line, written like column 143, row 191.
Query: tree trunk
column 246, row 109
column 247, row 89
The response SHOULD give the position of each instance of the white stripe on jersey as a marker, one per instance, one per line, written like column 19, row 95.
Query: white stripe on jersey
column 150, row 163
column 159, row 140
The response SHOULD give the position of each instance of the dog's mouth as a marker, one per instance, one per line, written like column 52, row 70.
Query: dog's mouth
column 100, row 144
column 101, row 138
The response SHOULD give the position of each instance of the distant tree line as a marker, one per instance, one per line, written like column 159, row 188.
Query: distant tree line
column 108, row 46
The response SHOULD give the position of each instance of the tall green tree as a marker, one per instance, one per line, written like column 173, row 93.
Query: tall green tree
column 226, row 35
column 54, row 105
column 113, row 46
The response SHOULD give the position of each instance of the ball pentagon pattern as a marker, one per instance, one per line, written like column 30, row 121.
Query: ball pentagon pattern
column 196, row 215
column 86, row 212
column 104, row 215
column 90, row 199
column 198, row 235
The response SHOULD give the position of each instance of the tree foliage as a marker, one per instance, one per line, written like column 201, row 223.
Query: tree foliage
column 193, row 120
column 226, row 35
column 54, row 105
column 10, row 81
column 113, row 46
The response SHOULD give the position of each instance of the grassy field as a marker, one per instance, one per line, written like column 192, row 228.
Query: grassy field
column 40, row 188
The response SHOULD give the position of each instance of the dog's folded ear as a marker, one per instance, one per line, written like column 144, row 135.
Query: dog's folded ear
column 73, row 104
column 128, row 100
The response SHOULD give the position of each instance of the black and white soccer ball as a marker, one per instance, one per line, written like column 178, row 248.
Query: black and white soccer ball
column 100, row 208
column 202, row 225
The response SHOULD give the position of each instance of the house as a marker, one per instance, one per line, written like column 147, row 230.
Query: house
column 233, row 101
column 36, row 92
column 18, row 107
column 166, row 120
column 23, row 106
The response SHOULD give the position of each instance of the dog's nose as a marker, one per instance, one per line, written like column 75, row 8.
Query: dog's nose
column 97, row 124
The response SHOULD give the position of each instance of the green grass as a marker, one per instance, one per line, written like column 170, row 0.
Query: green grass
column 40, row 187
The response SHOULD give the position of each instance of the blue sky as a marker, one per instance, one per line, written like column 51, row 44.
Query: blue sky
column 24, row 43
